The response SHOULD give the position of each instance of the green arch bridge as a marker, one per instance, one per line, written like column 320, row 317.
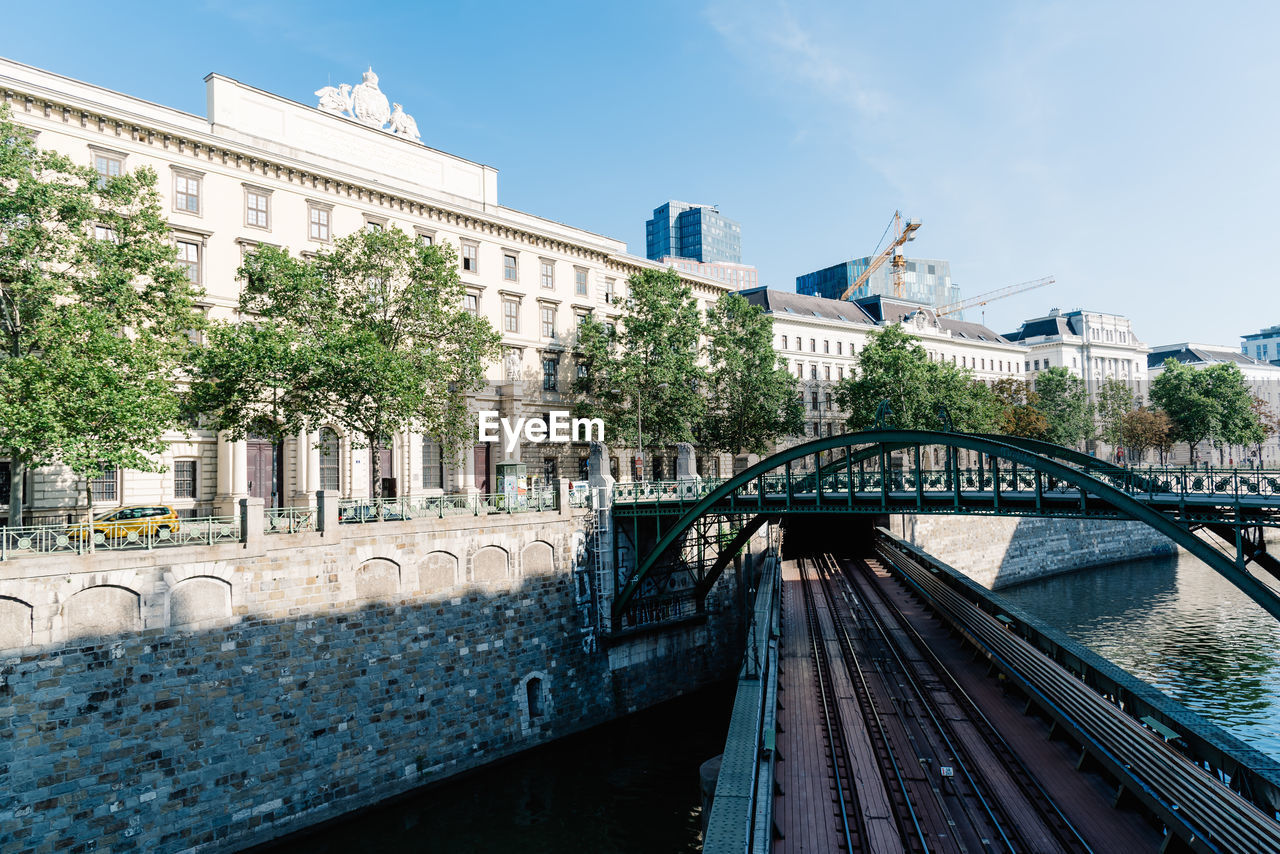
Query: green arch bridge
column 683, row 534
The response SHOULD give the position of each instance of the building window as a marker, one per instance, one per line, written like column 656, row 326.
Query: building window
column 813, row 345
column 827, row 400
column 1037, row 363
column 189, row 259
column 108, row 166
column 826, row 370
column 374, row 225
column 548, row 321
column 186, row 193
column 473, row 303
column 511, row 315
column 550, row 368
column 102, row 232
column 610, row 295
column 813, row 372
column 839, row 348
column 426, row 238
column 432, row 464
column 1028, row 367
column 549, row 472
column 508, row 267
column 547, row 274
column 813, row 400
column 470, row 258
column 839, row 374
column 584, row 468
column 826, row 346
column 580, row 282
column 184, row 479
column 319, row 229
column 784, row 342
column 257, row 208
column 104, row 486
column 329, row 470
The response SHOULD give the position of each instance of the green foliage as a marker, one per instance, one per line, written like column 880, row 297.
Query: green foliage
column 893, row 367
column 1065, row 405
column 1017, row 412
column 651, row 362
column 93, row 331
column 371, row 337
column 753, row 400
column 1115, row 399
column 1212, row 403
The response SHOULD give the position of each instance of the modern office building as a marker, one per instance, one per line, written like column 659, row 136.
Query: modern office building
column 262, row 169
column 695, row 232
column 1263, row 346
column 925, row 280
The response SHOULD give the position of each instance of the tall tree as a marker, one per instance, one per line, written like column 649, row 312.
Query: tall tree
column 1018, row 409
column 1210, row 404
column 1065, row 405
column 893, row 367
column 753, row 400
column 1268, row 423
column 371, row 336
column 1115, row 398
column 648, row 369
column 1143, row 429
column 95, row 315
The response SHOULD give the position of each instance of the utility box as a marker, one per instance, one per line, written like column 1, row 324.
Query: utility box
column 513, row 485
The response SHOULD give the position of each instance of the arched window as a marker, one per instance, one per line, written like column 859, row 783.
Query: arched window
column 329, row 468
column 533, row 695
column 432, row 464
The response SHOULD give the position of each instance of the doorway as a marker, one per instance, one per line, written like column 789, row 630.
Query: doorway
column 386, row 472
column 480, row 456
column 265, row 474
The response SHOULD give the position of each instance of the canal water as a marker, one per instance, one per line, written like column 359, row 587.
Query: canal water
column 1178, row 625
column 626, row 786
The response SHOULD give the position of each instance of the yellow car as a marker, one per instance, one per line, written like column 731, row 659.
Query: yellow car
column 143, row 521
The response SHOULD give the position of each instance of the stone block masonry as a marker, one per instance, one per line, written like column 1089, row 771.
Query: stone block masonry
column 997, row 551
column 209, row 699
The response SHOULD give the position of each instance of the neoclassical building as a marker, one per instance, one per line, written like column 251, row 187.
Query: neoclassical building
column 262, row 169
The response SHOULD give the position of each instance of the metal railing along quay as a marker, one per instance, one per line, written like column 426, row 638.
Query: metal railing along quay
column 79, row 538
column 1192, row 800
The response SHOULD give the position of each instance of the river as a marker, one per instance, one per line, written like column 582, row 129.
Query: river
column 626, row 786
column 1174, row 623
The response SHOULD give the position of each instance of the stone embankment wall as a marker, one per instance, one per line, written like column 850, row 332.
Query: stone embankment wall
column 997, row 551
column 210, row 698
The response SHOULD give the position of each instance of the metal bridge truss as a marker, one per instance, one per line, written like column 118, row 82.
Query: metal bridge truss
column 887, row 471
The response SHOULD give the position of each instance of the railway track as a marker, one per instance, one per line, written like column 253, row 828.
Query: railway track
column 917, row 767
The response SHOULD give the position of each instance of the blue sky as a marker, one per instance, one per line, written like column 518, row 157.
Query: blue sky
column 1128, row 149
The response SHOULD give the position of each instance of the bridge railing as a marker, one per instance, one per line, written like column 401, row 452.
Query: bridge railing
column 1235, row 483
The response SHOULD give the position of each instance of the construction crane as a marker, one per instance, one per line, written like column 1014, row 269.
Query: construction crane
column 998, row 293
column 902, row 233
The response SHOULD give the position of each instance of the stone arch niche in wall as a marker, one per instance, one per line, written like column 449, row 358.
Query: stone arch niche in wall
column 15, row 623
column 102, row 610
column 439, row 571
column 533, row 700
column 491, row 563
column 199, row 599
column 538, row 558
column 378, row 579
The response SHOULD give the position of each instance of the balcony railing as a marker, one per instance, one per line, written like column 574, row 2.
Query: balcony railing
column 77, row 539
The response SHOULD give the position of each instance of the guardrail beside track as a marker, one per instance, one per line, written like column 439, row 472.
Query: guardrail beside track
column 1204, row 813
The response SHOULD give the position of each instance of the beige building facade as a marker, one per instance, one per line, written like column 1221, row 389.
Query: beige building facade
column 262, row 169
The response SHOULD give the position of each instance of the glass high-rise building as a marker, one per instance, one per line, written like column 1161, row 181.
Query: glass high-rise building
column 925, row 280
column 698, row 232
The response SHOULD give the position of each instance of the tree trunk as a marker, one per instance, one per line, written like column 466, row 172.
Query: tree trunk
column 88, row 494
column 17, row 474
column 375, row 473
